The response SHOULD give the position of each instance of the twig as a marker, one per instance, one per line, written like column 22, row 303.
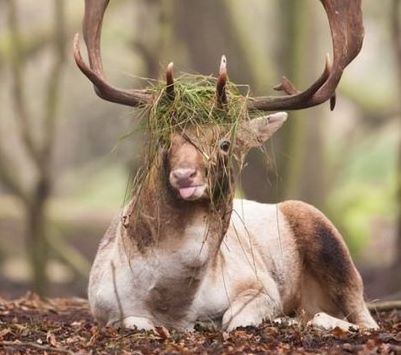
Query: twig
column 385, row 306
column 34, row 345
column 120, row 307
column 71, row 257
column 11, row 179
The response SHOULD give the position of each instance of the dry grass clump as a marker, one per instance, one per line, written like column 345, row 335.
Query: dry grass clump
column 194, row 105
column 193, row 109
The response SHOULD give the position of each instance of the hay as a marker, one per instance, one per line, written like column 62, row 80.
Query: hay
column 194, row 104
column 193, row 113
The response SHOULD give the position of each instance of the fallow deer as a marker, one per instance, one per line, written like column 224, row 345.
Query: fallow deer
column 179, row 253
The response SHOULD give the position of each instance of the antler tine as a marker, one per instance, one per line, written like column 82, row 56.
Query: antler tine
column 92, row 28
column 289, row 88
column 221, row 95
column 345, row 20
column 170, row 81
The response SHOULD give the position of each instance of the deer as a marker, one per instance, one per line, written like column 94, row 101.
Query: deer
column 178, row 253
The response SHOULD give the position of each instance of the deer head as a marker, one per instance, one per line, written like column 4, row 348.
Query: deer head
column 197, row 157
column 200, row 162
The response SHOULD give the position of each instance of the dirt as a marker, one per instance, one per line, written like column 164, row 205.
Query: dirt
column 30, row 325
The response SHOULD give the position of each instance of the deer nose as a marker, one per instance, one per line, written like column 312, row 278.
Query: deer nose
column 183, row 175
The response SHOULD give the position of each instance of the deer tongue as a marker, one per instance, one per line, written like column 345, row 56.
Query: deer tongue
column 187, row 192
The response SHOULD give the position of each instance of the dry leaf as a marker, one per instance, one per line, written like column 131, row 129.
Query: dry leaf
column 162, row 332
column 51, row 339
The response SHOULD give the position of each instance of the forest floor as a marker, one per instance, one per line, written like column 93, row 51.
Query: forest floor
column 29, row 325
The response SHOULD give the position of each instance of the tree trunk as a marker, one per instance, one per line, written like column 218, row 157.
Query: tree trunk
column 396, row 31
column 153, row 33
column 398, row 197
column 281, row 178
column 207, row 30
column 37, row 245
column 293, row 57
column 311, row 180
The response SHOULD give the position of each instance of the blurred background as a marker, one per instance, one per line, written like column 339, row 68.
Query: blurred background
column 65, row 158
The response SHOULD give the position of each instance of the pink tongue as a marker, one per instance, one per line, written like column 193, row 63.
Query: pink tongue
column 187, row 192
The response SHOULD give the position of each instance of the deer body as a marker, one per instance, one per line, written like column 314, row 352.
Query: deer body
column 258, row 272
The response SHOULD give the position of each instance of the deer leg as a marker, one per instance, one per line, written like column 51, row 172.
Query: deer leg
column 341, row 292
column 324, row 293
column 328, row 266
column 355, row 309
column 250, row 308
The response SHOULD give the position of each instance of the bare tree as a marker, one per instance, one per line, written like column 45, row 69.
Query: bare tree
column 34, row 198
column 280, row 177
column 153, row 33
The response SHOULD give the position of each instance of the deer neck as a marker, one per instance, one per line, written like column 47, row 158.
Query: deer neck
column 156, row 218
column 177, row 241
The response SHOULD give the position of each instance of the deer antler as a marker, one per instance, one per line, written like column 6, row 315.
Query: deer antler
column 221, row 96
column 92, row 28
column 170, row 81
column 345, row 20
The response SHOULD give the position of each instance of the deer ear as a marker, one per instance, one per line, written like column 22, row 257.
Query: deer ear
column 262, row 128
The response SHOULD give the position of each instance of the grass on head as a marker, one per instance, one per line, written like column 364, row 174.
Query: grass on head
column 193, row 108
column 194, row 105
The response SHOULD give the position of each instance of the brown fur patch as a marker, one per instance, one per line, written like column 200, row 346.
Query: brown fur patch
column 327, row 262
column 323, row 251
column 318, row 241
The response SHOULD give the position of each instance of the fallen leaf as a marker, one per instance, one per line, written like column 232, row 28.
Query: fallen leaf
column 4, row 332
column 162, row 332
column 338, row 332
column 51, row 339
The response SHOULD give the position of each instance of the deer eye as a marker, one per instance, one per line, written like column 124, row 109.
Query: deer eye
column 225, row 146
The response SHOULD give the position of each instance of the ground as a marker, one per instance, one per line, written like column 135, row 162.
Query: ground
column 29, row 325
